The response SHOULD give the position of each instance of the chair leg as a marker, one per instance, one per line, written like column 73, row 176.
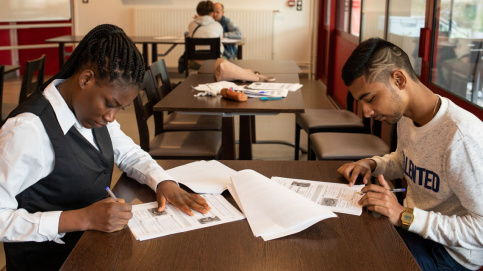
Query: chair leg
column 310, row 152
column 297, row 141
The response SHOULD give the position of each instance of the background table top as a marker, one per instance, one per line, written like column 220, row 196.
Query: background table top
column 140, row 39
column 344, row 243
column 182, row 99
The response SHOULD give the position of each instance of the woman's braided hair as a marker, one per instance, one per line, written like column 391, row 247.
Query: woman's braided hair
column 110, row 52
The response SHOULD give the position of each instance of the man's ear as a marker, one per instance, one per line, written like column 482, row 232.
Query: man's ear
column 86, row 78
column 399, row 79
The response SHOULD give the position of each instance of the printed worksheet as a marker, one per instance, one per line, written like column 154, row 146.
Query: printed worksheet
column 275, row 86
column 339, row 198
column 147, row 223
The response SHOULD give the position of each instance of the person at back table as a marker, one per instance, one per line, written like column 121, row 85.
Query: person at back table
column 439, row 155
column 204, row 26
column 58, row 148
column 229, row 31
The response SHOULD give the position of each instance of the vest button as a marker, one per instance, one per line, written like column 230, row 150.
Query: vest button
column 106, row 171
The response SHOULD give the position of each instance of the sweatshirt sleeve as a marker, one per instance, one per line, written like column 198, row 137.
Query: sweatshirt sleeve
column 465, row 176
column 389, row 165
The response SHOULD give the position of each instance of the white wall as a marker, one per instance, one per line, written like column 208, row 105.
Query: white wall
column 292, row 28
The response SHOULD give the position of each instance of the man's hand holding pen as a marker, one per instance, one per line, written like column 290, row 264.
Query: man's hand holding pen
column 382, row 200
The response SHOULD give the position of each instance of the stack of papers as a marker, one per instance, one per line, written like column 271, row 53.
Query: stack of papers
column 257, row 93
column 274, row 86
column 272, row 210
column 274, row 207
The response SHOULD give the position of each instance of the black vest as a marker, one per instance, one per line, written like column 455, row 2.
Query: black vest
column 79, row 178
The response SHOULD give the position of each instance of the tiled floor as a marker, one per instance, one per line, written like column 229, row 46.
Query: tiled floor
column 279, row 127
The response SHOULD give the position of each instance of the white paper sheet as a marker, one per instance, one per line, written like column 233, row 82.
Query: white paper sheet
column 340, row 198
column 272, row 210
column 203, row 177
column 274, row 86
column 256, row 93
column 147, row 223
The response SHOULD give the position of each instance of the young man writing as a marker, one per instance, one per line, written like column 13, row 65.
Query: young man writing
column 439, row 154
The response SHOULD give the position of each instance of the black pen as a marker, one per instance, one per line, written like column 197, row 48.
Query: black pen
column 395, row 190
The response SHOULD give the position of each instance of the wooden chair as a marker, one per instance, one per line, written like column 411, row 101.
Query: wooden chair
column 201, row 49
column 328, row 120
column 171, row 145
column 30, row 83
column 176, row 121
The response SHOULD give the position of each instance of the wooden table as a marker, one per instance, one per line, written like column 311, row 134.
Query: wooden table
column 263, row 66
column 182, row 99
column 11, row 68
column 345, row 243
column 144, row 40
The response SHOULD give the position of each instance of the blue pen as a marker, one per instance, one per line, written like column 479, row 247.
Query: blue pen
column 270, row 98
column 111, row 193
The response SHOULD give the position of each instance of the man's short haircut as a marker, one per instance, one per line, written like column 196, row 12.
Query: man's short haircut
column 205, row 8
column 222, row 6
column 376, row 59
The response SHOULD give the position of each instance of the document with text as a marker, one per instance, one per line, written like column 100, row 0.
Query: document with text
column 147, row 223
column 339, row 198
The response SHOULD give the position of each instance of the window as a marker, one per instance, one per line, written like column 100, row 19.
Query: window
column 356, row 17
column 457, row 61
column 343, row 15
column 373, row 19
column 406, row 18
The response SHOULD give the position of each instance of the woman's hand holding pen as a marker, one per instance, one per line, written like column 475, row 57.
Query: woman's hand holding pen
column 107, row 215
column 380, row 199
column 170, row 192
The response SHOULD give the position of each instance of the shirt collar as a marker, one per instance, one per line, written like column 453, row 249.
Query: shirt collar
column 65, row 116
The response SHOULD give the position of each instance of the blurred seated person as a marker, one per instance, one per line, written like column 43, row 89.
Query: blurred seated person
column 204, row 26
column 229, row 31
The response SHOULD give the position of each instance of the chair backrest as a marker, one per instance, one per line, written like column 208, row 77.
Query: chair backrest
column 163, row 86
column 2, row 71
column 161, row 78
column 201, row 49
column 28, row 83
column 144, row 110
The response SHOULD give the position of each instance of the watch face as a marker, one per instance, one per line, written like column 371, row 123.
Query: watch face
column 407, row 217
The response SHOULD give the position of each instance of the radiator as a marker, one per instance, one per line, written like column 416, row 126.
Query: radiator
column 256, row 27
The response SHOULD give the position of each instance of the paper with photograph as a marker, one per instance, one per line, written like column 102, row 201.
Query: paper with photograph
column 147, row 223
column 339, row 198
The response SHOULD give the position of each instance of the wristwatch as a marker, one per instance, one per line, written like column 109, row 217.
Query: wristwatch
column 407, row 218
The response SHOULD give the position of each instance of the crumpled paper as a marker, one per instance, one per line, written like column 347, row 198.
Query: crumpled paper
column 213, row 89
